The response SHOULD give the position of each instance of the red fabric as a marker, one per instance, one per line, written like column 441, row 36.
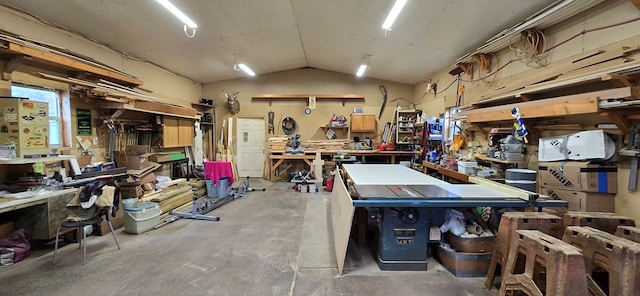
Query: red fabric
column 214, row 170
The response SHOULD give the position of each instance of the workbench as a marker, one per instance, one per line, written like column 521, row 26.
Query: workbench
column 278, row 158
column 41, row 214
column 375, row 185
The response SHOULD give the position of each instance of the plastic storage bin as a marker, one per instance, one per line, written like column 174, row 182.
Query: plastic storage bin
column 223, row 187
column 141, row 218
column 467, row 167
column 212, row 189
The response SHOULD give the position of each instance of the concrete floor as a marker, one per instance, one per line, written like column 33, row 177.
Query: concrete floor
column 268, row 243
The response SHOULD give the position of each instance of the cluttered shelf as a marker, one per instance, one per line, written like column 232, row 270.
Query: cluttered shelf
column 497, row 160
column 36, row 159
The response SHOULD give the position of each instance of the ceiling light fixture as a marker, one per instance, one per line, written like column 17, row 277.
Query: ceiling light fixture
column 242, row 66
column 363, row 67
column 188, row 23
column 393, row 14
column 246, row 69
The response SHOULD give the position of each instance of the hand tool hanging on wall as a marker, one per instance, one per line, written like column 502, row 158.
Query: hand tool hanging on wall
column 519, row 124
column 383, row 90
column 271, row 124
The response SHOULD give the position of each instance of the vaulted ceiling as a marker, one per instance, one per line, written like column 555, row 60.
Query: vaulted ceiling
column 279, row 35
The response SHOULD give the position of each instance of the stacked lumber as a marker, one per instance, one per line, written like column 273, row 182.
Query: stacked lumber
column 199, row 188
column 177, row 193
column 329, row 145
column 278, row 143
column 617, row 62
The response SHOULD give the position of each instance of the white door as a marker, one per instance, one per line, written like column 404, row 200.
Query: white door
column 250, row 143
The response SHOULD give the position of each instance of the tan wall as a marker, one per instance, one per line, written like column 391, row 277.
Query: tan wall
column 607, row 13
column 610, row 12
column 309, row 81
column 164, row 84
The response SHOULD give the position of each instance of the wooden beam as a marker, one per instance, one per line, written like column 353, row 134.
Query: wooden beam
column 524, row 97
column 636, row 3
column 561, row 106
column 151, row 107
column 618, row 80
column 535, row 109
column 71, row 64
column 619, row 120
column 342, row 97
column 10, row 65
column 481, row 130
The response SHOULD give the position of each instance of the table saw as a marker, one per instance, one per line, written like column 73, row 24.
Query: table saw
column 407, row 206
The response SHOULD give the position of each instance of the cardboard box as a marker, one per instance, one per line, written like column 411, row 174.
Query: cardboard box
column 595, row 144
column 6, row 228
column 131, row 191
column 117, row 222
column 134, row 158
column 583, row 201
column 579, row 175
column 148, row 178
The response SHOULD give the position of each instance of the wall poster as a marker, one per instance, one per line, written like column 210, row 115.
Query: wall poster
column 84, row 122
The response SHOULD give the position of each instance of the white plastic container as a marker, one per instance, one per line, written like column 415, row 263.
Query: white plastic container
column 467, row 167
column 141, row 218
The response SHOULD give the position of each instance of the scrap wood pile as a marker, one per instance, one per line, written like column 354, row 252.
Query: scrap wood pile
column 176, row 194
column 329, row 145
column 278, row 144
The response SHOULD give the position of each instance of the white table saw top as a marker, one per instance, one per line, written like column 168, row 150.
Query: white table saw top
column 386, row 174
column 393, row 174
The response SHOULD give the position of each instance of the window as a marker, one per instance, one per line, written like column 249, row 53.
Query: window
column 48, row 96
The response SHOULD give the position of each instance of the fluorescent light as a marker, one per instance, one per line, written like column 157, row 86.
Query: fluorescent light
column 361, row 70
column 393, row 14
column 179, row 14
column 246, row 69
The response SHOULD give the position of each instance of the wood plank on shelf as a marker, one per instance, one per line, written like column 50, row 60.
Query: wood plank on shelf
column 595, row 74
column 343, row 97
column 564, row 66
column 52, row 58
column 561, row 106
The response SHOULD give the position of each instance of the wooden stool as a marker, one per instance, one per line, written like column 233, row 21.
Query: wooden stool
column 541, row 253
column 629, row 232
column 619, row 257
column 604, row 221
column 509, row 223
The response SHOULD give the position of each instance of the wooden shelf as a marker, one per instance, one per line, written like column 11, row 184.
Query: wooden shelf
column 497, row 160
column 201, row 106
column 22, row 51
column 34, row 160
column 584, row 103
column 342, row 97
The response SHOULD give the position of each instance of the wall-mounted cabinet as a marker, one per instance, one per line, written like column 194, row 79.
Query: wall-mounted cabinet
column 363, row 123
column 177, row 132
